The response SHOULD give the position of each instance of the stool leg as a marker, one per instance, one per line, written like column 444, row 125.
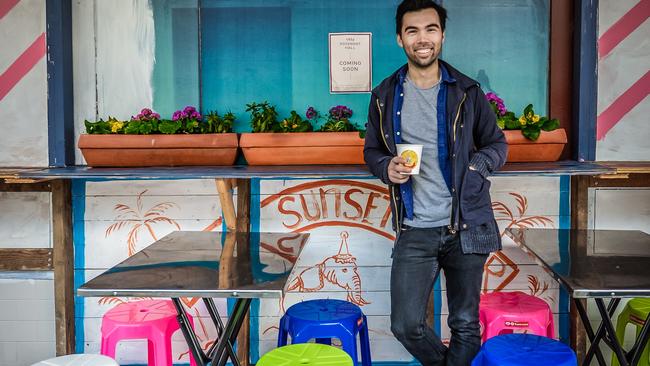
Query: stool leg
column 621, row 323
column 644, row 360
column 365, row 343
column 108, row 346
column 282, row 332
column 350, row 347
column 151, row 356
column 162, row 350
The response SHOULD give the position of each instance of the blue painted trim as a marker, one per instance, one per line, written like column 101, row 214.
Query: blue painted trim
column 79, row 244
column 254, row 312
column 585, row 79
column 60, row 110
column 565, row 223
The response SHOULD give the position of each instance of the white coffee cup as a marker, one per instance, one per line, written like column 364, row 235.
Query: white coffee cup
column 411, row 152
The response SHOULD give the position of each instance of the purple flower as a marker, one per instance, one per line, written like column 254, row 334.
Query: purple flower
column 339, row 112
column 497, row 103
column 311, row 113
column 155, row 115
column 145, row 111
column 177, row 115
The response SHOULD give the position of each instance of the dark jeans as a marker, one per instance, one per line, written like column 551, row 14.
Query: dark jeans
column 418, row 256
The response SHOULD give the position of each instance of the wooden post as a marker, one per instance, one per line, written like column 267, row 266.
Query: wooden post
column 63, row 266
column 579, row 220
column 243, row 226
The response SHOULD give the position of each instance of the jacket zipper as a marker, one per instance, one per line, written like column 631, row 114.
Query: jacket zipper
column 453, row 226
column 381, row 126
column 383, row 137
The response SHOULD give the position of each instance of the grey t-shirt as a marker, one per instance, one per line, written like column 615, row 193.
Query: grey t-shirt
column 431, row 197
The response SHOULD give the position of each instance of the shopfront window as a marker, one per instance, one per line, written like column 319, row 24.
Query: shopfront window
column 230, row 53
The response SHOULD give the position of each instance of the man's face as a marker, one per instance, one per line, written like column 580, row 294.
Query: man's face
column 421, row 37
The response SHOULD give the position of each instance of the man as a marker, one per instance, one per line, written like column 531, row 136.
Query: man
column 443, row 216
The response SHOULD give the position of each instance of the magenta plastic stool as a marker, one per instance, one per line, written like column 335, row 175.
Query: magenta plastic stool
column 509, row 311
column 153, row 320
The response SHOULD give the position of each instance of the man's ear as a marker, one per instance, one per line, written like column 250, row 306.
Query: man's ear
column 443, row 37
column 399, row 41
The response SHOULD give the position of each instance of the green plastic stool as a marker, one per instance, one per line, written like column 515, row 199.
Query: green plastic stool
column 635, row 312
column 306, row 354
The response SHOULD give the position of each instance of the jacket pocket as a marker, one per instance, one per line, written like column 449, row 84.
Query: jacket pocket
column 475, row 202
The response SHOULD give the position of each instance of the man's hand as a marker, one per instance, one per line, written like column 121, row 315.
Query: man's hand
column 395, row 169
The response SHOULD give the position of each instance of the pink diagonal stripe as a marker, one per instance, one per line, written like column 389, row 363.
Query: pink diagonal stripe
column 6, row 6
column 623, row 27
column 22, row 65
column 623, row 104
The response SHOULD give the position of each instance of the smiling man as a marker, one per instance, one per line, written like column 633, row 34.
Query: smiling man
column 442, row 216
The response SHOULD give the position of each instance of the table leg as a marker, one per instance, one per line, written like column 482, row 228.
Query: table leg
column 227, row 204
column 600, row 333
column 609, row 328
column 214, row 314
column 219, row 357
column 190, row 337
column 641, row 342
column 590, row 334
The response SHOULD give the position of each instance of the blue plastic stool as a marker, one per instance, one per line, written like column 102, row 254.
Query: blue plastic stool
column 524, row 350
column 324, row 320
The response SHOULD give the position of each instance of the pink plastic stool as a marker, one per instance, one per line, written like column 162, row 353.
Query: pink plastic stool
column 153, row 320
column 499, row 311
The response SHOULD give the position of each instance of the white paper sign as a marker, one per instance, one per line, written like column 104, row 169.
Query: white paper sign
column 350, row 62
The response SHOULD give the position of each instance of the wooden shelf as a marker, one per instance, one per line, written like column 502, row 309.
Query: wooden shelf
column 298, row 171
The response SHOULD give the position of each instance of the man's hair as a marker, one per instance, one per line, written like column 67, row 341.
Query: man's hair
column 416, row 5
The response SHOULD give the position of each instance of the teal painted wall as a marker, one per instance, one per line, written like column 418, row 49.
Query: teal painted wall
column 276, row 50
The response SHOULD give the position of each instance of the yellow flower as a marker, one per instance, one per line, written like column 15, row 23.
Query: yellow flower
column 536, row 118
column 522, row 120
column 116, row 126
column 285, row 123
column 294, row 126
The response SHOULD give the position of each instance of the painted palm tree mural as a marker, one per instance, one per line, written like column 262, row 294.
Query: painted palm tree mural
column 519, row 220
column 138, row 219
column 499, row 265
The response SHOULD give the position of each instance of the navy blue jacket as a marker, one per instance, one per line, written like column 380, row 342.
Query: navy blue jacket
column 468, row 136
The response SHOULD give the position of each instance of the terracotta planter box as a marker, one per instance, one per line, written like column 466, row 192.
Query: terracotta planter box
column 302, row 148
column 548, row 146
column 158, row 150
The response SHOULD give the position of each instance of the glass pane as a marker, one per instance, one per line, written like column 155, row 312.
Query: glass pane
column 176, row 72
column 504, row 46
column 276, row 50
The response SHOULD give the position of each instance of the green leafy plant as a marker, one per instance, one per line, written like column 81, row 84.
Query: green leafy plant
column 528, row 122
column 101, row 127
column 219, row 124
column 295, row 123
column 263, row 117
column 185, row 121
